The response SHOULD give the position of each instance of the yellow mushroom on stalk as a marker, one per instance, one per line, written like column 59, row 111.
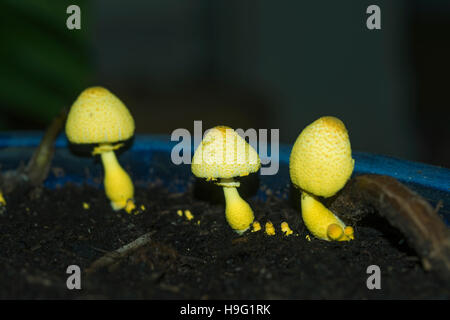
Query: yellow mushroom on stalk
column 320, row 164
column 99, row 117
column 223, row 156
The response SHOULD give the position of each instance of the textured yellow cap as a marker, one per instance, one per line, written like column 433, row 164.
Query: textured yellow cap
column 224, row 154
column 321, row 159
column 98, row 116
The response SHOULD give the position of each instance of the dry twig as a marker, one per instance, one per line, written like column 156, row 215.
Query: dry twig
column 113, row 257
column 418, row 221
column 36, row 171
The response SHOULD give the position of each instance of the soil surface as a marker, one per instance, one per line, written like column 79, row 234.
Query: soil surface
column 42, row 233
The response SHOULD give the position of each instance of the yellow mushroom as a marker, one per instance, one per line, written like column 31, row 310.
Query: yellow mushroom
column 99, row 117
column 320, row 164
column 224, row 155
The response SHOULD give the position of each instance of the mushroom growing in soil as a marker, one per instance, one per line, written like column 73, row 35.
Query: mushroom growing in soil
column 99, row 117
column 320, row 164
column 223, row 156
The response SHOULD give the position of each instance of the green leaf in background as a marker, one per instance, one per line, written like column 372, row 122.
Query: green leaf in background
column 43, row 65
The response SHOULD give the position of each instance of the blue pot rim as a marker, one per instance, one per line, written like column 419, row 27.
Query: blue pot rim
column 410, row 172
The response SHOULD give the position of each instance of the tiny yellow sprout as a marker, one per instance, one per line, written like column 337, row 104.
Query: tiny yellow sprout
column 256, row 226
column 285, row 228
column 308, row 237
column 270, row 230
column 198, row 222
column 99, row 117
column 133, row 210
column 349, row 232
column 188, row 215
column 180, row 213
column 86, row 206
column 321, row 222
column 321, row 158
column 2, row 199
column 130, row 206
column 224, row 155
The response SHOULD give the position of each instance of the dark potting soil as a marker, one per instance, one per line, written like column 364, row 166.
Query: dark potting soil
column 41, row 234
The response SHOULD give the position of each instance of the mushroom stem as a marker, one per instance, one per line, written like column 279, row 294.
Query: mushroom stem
column 322, row 222
column 118, row 185
column 2, row 199
column 238, row 212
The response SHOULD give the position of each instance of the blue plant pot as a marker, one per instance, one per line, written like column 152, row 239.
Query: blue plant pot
column 149, row 159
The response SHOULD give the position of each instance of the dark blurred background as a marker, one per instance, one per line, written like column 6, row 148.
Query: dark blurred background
column 248, row 64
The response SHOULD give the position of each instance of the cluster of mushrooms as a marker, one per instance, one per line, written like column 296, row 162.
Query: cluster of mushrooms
column 320, row 163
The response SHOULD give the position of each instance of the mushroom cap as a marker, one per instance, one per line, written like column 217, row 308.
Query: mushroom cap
column 98, row 116
column 321, row 159
column 224, row 154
